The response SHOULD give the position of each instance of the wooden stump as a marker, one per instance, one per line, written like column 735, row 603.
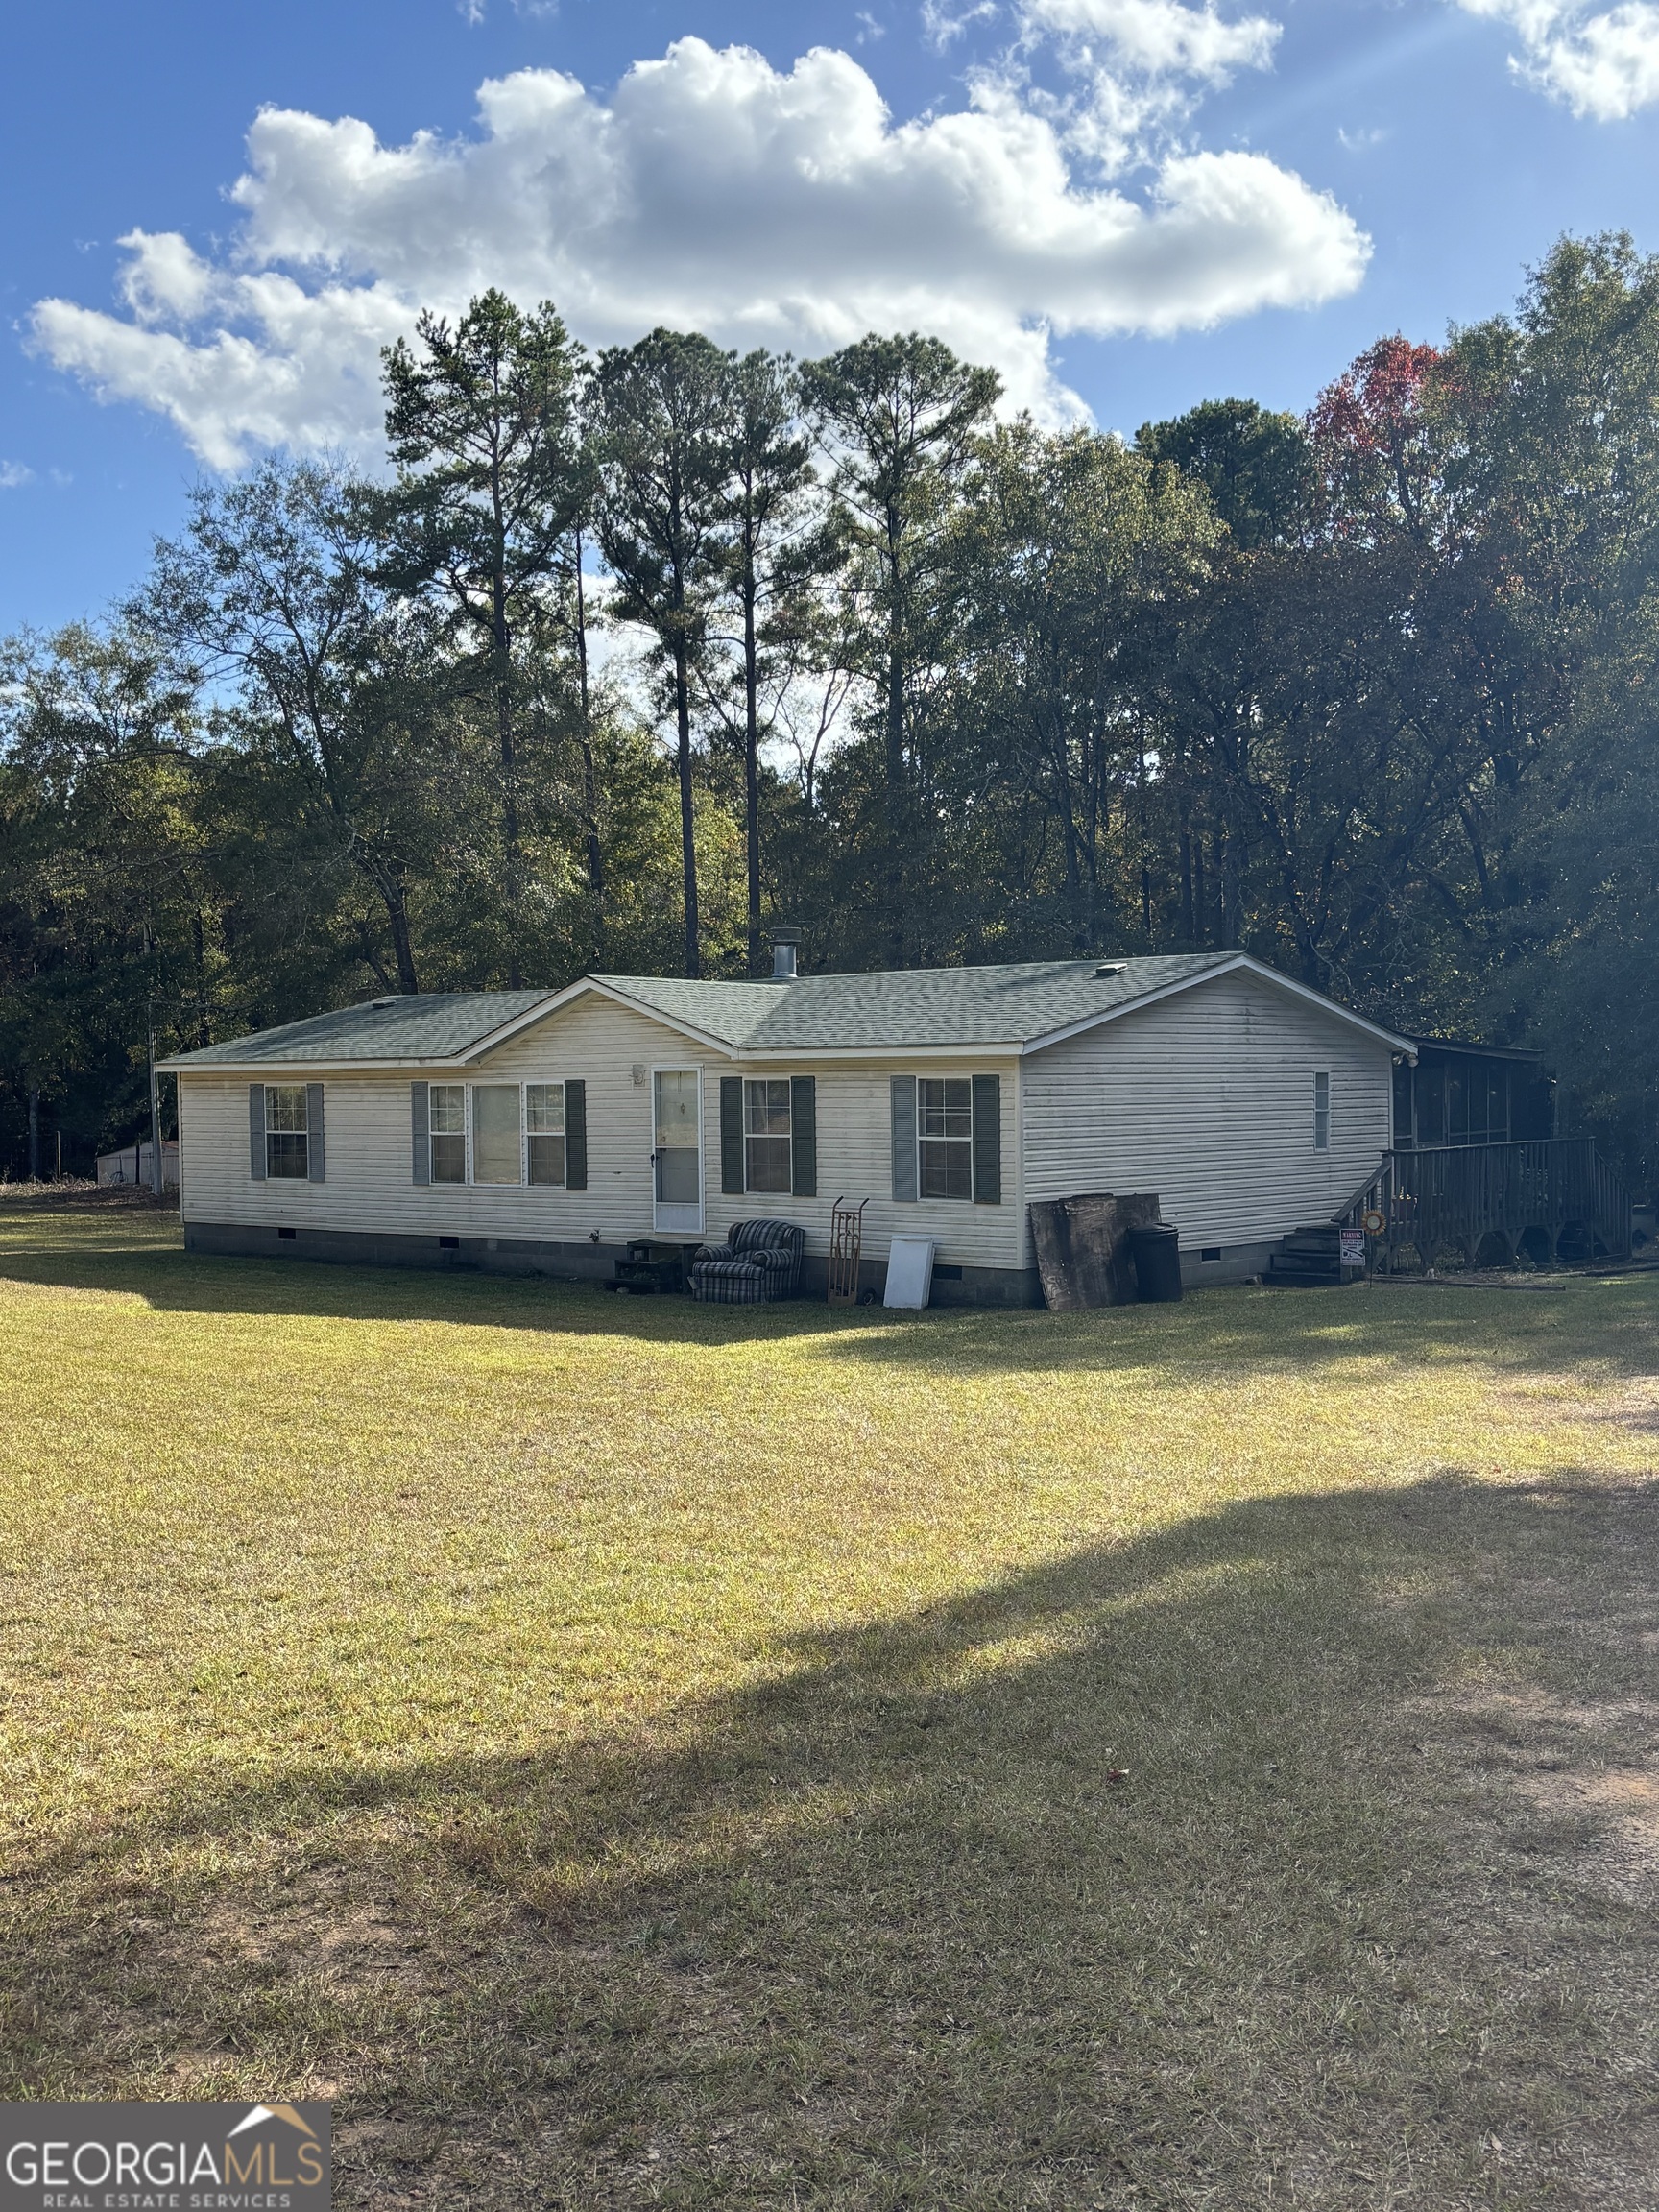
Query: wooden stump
column 1083, row 1252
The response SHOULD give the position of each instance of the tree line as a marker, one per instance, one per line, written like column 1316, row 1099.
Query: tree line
column 624, row 657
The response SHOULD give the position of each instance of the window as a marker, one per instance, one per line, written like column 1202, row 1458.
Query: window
column 769, row 1134
column 945, row 1135
column 447, row 1109
column 501, row 1133
column 1321, row 1113
column 545, row 1124
column 287, row 1146
column 497, row 1127
column 767, row 1126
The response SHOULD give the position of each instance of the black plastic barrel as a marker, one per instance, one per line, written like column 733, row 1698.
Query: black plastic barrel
column 1157, row 1254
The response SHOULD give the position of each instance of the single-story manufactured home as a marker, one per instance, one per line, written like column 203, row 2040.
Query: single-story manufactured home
column 543, row 1131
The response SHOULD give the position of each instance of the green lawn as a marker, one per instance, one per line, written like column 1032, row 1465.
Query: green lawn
column 631, row 1754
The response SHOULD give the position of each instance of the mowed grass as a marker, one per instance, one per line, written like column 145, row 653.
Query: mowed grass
column 630, row 1754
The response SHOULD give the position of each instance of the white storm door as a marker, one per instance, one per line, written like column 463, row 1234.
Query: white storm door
column 676, row 1162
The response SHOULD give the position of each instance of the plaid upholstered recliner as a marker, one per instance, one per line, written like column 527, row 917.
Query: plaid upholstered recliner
column 758, row 1261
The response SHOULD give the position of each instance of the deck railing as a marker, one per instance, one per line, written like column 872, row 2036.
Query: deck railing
column 1547, row 1197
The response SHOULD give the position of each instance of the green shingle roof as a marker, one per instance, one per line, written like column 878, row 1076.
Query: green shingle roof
column 899, row 1009
column 434, row 1026
column 908, row 1006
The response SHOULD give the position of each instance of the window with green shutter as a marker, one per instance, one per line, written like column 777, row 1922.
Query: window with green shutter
column 945, row 1137
column 287, row 1154
column 446, row 1121
column 544, row 1131
column 948, row 1137
column 766, row 1125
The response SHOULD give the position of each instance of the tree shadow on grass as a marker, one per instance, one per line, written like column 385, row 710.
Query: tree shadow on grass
column 1611, row 1323
column 1267, row 1860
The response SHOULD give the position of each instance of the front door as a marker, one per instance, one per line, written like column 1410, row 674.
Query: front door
column 677, row 1158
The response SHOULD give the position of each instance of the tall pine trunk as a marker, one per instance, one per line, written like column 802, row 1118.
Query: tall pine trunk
column 511, row 874
column 687, row 817
column 589, row 783
column 893, row 852
column 752, row 759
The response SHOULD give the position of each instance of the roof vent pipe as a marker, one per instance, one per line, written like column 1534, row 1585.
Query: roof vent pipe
column 784, row 949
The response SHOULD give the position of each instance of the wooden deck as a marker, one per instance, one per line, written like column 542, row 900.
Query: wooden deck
column 1487, row 1205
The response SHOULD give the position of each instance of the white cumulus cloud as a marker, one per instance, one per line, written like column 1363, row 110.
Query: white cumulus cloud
column 1158, row 36
column 1137, row 69
column 713, row 191
column 1603, row 63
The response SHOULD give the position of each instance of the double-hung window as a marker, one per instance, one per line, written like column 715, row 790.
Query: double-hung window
column 446, row 1113
column 287, row 1132
column 545, row 1131
column 769, row 1134
column 1321, row 1113
column 945, row 1135
column 768, row 1128
column 948, row 1137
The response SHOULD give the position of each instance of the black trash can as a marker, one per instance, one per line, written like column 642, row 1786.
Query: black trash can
column 1157, row 1255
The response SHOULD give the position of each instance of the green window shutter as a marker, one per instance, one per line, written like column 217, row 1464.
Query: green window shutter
column 316, row 1159
column 419, row 1131
column 576, row 1135
column 731, row 1135
column 986, row 1140
column 804, row 1136
column 256, row 1131
column 905, row 1139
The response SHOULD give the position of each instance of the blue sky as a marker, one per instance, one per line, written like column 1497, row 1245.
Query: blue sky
column 1129, row 205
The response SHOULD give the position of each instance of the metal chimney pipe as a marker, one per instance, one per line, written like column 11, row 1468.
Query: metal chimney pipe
column 784, row 944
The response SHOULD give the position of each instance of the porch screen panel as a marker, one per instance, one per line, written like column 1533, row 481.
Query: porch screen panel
column 1405, row 1120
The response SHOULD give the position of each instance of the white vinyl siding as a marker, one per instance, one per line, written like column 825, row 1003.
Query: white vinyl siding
column 1206, row 1098
column 370, row 1188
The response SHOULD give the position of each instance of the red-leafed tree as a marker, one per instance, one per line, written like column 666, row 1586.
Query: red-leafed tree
column 1375, row 434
